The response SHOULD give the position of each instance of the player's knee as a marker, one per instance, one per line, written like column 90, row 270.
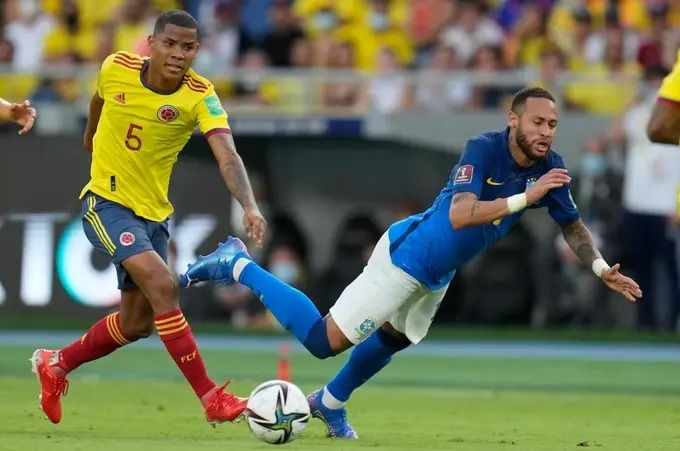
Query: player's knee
column 325, row 339
column 162, row 290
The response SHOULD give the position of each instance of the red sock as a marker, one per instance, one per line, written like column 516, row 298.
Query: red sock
column 179, row 341
column 101, row 339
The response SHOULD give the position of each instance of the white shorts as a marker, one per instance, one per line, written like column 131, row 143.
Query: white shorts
column 384, row 293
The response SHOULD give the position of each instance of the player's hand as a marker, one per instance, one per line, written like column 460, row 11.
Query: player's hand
column 255, row 225
column 554, row 178
column 24, row 115
column 621, row 284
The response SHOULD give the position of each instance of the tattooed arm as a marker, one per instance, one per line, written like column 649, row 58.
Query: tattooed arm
column 467, row 210
column 236, row 178
column 579, row 239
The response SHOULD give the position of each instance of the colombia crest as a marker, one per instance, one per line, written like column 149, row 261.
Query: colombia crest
column 167, row 113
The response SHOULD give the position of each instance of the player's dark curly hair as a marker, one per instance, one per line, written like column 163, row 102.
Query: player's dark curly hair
column 521, row 97
column 175, row 17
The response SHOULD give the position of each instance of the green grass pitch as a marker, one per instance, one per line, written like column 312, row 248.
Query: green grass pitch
column 136, row 399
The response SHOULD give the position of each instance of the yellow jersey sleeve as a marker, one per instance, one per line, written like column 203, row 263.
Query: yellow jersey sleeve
column 210, row 115
column 103, row 73
column 670, row 88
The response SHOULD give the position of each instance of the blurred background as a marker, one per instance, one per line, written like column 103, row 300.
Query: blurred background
column 349, row 115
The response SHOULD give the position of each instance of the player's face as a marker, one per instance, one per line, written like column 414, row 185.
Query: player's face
column 173, row 50
column 534, row 127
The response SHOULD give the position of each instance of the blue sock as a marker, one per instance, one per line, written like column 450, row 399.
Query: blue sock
column 291, row 307
column 368, row 357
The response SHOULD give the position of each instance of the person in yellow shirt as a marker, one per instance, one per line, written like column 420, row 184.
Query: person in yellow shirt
column 22, row 114
column 142, row 115
column 664, row 124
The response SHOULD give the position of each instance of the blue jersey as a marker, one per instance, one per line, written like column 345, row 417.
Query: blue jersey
column 428, row 248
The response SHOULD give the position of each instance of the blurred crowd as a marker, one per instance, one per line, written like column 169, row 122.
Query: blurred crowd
column 598, row 56
column 592, row 52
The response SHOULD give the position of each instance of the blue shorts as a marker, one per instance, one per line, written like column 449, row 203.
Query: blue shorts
column 120, row 233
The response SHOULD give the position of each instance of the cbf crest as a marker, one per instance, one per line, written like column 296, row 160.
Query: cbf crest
column 366, row 328
column 531, row 181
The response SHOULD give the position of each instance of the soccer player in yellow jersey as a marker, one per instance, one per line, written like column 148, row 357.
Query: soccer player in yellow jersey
column 664, row 125
column 141, row 116
column 20, row 113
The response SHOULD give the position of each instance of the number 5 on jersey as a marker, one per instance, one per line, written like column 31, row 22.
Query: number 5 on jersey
column 132, row 141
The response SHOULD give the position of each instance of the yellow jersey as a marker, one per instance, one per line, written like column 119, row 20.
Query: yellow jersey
column 670, row 88
column 141, row 132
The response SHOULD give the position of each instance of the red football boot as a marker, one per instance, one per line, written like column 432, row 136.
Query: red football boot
column 224, row 406
column 51, row 385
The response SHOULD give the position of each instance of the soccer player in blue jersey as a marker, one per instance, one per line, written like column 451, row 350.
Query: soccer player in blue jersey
column 393, row 301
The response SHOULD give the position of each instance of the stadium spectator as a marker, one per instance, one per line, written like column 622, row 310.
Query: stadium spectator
column 487, row 61
column 388, row 91
column 525, row 43
column 436, row 88
column 133, row 23
column 283, row 33
column 345, row 94
column 469, row 28
column 27, row 34
column 379, row 31
column 650, row 186
column 551, row 66
column 660, row 42
column 608, row 87
column 70, row 36
column 226, row 41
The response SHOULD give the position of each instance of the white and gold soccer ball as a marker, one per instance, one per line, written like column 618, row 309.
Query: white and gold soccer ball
column 277, row 412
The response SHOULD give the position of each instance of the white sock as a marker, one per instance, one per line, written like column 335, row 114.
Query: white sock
column 239, row 266
column 330, row 401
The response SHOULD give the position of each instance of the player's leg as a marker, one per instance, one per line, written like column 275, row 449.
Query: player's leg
column 408, row 324
column 158, row 284
column 101, row 339
column 367, row 359
column 292, row 308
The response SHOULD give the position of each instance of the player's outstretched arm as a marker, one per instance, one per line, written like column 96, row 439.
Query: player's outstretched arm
column 96, row 105
column 235, row 176
column 467, row 210
column 664, row 124
column 20, row 113
column 577, row 235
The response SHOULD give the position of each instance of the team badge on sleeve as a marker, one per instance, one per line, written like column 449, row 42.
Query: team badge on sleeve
column 464, row 174
column 167, row 113
column 214, row 106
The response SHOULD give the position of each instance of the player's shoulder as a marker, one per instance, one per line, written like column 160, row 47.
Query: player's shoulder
column 197, row 83
column 124, row 61
column 488, row 142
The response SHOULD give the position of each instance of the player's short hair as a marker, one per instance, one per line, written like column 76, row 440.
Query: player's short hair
column 175, row 17
column 521, row 97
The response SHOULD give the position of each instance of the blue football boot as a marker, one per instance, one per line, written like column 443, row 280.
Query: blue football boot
column 217, row 266
column 334, row 419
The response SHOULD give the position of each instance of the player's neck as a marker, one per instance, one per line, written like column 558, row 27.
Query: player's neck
column 156, row 82
column 518, row 155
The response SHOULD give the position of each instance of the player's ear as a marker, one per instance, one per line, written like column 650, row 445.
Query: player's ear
column 513, row 119
column 151, row 39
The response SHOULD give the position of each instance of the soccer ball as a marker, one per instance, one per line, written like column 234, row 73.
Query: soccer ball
column 277, row 412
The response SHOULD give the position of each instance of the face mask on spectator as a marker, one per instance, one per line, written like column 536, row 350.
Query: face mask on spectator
column 593, row 165
column 287, row 271
column 378, row 21
column 325, row 20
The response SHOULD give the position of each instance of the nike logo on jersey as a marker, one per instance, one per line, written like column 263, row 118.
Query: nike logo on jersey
column 490, row 181
column 120, row 98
